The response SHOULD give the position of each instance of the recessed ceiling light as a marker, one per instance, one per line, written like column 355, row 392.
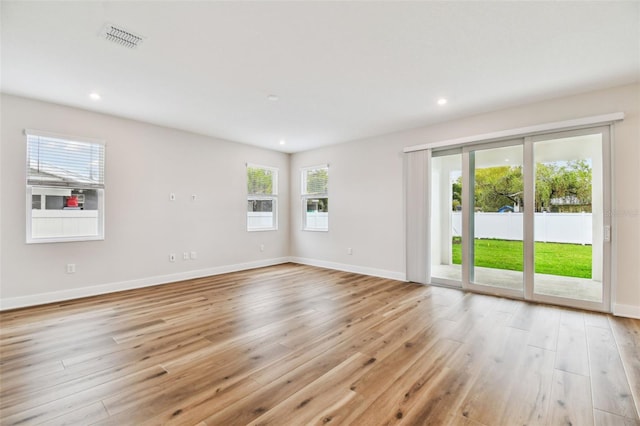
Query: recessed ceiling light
column 273, row 97
column 442, row 101
column 95, row 96
column 282, row 142
column 506, row 159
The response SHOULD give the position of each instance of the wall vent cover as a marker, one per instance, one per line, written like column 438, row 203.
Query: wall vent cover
column 121, row 36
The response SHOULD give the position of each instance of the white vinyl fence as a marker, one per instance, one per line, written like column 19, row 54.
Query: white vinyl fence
column 317, row 220
column 573, row 228
column 259, row 220
column 64, row 223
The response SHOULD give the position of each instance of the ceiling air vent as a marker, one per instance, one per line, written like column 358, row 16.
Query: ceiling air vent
column 121, row 36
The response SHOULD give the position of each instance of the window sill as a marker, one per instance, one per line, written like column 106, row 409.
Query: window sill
column 64, row 239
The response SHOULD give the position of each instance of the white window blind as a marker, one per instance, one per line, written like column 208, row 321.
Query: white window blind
column 53, row 161
column 64, row 188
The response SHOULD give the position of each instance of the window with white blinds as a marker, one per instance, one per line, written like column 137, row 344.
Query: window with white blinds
column 315, row 198
column 54, row 161
column 65, row 188
column 262, row 198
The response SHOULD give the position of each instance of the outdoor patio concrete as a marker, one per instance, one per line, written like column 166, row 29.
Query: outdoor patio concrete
column 551, row 285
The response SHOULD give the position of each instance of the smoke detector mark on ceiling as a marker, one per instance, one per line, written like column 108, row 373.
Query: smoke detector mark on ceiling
column 121, row 36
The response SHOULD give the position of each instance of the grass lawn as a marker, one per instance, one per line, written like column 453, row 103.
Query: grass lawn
column 569, row 260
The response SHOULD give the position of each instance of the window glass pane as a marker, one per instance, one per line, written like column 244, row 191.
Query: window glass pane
column 59, row 162
column 65, row 184
column 568, row 219
column 317, row 205
column 498, row 191
column 260, row 206
column 446, row 217
column 315, row 202
column 262, row 188
column 317, row 213
column 260, row 214
column 260, row 181
column 316, row 181
column 65, row 213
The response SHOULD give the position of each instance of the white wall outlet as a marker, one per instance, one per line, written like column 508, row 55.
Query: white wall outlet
column 172, row 257
column 261, row 247
column 194, row 255
column 71, row 268
column 172, row 197
column 349, row 251
column 185, row 255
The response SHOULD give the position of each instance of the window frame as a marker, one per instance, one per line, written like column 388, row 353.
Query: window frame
column 305, row 197
column 99, row 188
column 262, row 197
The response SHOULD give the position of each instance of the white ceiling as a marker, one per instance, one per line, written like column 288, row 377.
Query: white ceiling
column 342, row 70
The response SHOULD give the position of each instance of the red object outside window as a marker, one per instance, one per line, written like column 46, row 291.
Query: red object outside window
column 72, row 201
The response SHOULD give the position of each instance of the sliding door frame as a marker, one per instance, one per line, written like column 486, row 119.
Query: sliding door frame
column 468, row 222
column 528, row 289
column 447, row 282
column 607, row 188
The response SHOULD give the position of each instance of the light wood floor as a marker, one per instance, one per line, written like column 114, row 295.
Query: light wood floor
column 294, row 344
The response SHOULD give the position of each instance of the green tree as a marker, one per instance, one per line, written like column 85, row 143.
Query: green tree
column 496, row 187
column 583, row 180
column 259, row 181
column 568, row 184
column 571, row 182
column 317, row 181
column 544, row 186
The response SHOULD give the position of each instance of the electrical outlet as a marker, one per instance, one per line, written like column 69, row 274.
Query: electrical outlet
column 194, row 255
column 349, row 251
column 172, row 257
column 261, row 247
column 172, row 197
column 194, row 197
column 71, row 268
column 185, row 255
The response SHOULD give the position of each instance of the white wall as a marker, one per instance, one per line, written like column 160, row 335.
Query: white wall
column 144, row 163
column 365, row 209
column 365, row 171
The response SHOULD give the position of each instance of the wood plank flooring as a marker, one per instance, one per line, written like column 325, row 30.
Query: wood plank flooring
column 293, row 344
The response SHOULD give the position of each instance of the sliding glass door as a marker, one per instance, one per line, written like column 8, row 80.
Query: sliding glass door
column 524, row 218
column 446, row 218
column 571, row 231
column 496, row 187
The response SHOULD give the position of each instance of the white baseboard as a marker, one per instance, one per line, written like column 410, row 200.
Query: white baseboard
column 628, row 311
column 382, row 273
column 76, row 293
